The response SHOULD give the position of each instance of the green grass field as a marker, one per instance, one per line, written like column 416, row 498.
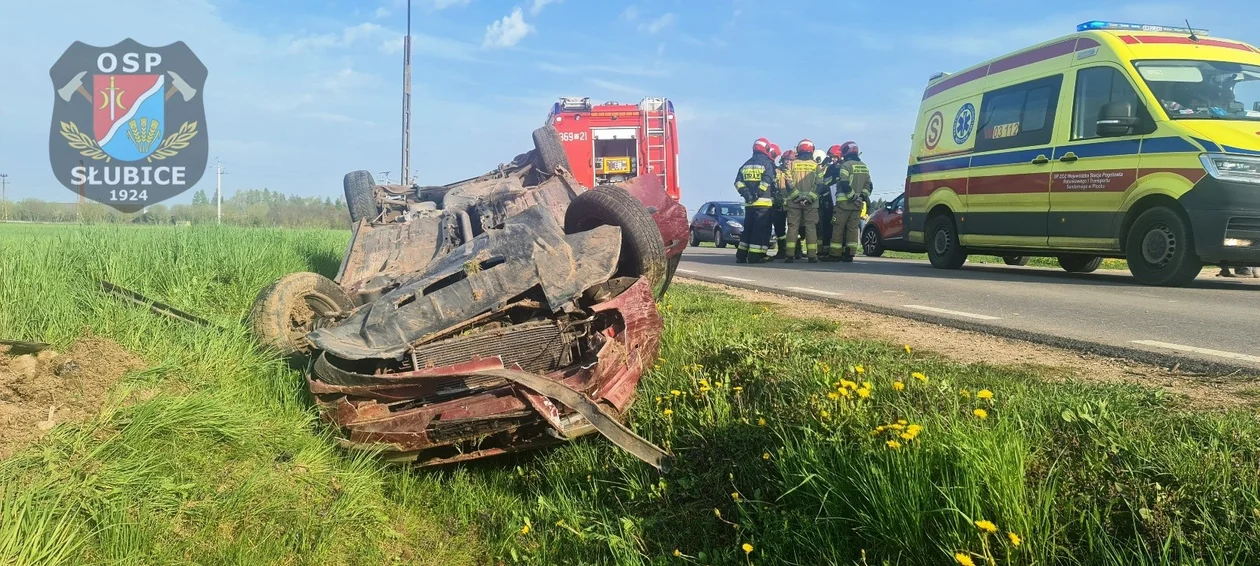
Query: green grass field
column 793, row 446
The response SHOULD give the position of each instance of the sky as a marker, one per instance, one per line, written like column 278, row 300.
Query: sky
column 301, row 92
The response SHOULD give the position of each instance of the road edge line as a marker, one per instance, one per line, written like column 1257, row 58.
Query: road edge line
column 1162, row 359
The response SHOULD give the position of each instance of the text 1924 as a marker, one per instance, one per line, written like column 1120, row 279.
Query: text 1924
column 128, row 195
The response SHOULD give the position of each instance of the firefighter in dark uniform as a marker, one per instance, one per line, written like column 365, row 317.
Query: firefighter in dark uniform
column 853, row 188
column 828, row 171
column 802, row 200
column 778, row 212
column 756, row 182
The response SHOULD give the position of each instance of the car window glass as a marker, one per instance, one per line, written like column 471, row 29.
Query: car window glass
column 1018, row 116
column 728, row 210
column 709, row 210
column 1095, row 88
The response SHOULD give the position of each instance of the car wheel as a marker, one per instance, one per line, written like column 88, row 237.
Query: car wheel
column 872, row 244
column 695, row 238
column 669, row 272
column 943, row 247
column 550, row 150
column 360, row 196
column 1080, row 263
column 296, row 304
column 1019, row 260
column 642, row 249
column 719, row 240
column 1160, row 249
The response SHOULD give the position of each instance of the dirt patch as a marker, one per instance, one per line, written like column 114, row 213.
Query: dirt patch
column 40, row 391
column 1199, row 391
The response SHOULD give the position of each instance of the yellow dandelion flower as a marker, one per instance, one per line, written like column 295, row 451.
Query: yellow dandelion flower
column 717, row 384
column 677, row 553
column 658, row 399
column 867, row 385
column 864, row 393
column 966, row 394
column 833, row 396
column 717, row 513
column 903, row 422
column 761, row 421
column 919, row 376
column 963, row 559
column 859, row 369
column 825, row 414
column 668, row 412
column 897, row 426
column 1015, row 540
column 525, row 530
column 735, row 496
column 980, row 414
column 893, row 444
column 986, row 526
column 748, row 548
column 765, row 456
column 843, row 392
column 737, row 389
column 675, row 392
column 907, row 436
column 907, row 346
column 848, row 384
column 899, row 386
column 704, row 389
column 914, row 429
column 704, row 383
column 984, row 394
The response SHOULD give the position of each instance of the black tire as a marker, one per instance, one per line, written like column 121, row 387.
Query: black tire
column 671, row 268
column 1160, row 249
column 360, row 198
column 1080, row 263
column 1017, row 260
column 642, row 247
column 719, row 239
column 872, row 243
column 296, row 304
column 943, row 247
column 695, row 239
column 550, row 149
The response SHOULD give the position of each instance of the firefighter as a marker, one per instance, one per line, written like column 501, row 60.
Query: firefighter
column 853, row 187
column 778, row 213
column 802, row 200
column 828, row 171
column 755, row 181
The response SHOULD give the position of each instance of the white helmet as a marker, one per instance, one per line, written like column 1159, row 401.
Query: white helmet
column 819, row 156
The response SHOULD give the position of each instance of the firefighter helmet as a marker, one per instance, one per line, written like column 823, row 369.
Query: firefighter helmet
column 849, row 148
column 834, row 151
column 805, row 148
column 774, row 152
column 762, row 145
column 819, row 156
column 789, row 155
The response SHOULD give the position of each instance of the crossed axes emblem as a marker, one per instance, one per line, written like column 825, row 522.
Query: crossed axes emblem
column 178, row 85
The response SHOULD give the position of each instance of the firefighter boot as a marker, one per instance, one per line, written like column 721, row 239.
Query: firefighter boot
column 847, row 256
column 741, row 255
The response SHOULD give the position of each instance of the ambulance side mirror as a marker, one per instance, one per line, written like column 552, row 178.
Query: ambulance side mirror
column 1117, row 119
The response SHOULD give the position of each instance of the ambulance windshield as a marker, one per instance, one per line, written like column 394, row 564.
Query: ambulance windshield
column 1204, row 90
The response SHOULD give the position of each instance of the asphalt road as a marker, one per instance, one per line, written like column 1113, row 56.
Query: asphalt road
column 1214, row 324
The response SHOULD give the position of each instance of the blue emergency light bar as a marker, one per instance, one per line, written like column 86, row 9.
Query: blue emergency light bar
column 1098, row 25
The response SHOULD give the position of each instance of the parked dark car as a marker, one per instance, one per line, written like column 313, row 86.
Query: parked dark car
column 718, row 222
column 886, row 230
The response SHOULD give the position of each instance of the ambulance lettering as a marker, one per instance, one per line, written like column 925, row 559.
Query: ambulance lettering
column 1004, row 131
column 1093, row 181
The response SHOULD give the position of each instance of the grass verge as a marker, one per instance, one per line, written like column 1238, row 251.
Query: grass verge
column 794, row 447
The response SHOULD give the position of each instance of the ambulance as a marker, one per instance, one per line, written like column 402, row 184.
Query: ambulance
column 613, row 142
column 1122, row 140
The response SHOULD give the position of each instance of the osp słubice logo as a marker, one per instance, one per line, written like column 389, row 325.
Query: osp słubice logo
column 128, row 125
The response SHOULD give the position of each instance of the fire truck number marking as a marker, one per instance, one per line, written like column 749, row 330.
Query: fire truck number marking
column 572, row 136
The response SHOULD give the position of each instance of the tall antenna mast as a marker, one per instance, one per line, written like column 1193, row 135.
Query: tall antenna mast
column 406, row 126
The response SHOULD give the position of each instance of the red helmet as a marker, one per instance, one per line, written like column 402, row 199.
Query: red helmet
column 762, row 145
column 774, row 151
column 789, row 154
column 805, row 147
column 849, row 148
column 834, row 151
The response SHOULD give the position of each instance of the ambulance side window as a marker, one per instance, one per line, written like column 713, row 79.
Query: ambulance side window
column 1095, row 87
column 1018, row 116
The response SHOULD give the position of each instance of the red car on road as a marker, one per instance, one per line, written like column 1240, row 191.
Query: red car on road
column 886, row 230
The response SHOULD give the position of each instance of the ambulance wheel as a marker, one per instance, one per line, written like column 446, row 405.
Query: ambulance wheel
column 550, row 150
column 718, row 239
column 360, row 198
column 1160, row 249
column 1018, row 260
column 1080, row 263
column 944, row 249
column 872, row 244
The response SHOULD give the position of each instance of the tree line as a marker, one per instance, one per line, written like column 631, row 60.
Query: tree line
column 253, row 207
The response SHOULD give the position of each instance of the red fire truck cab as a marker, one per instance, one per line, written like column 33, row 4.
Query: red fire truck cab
column 612, row 142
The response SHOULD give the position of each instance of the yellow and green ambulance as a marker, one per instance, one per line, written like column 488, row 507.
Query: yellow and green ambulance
column 1119, row 141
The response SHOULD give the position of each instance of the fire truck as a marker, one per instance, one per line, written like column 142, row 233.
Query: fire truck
column 612, row 142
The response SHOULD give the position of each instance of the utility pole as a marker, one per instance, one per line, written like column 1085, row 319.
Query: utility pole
column 4, row 194
column 218, row 192
column 78, row 209
column 406, row 125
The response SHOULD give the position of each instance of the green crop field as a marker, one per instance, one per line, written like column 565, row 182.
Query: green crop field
column 793, row 446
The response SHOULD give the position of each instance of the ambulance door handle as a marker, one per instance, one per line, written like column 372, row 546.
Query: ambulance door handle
column 1068, row 157
column 1041, row 160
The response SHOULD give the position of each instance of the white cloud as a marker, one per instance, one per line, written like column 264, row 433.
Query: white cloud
column 506, row 32
column 630, row 14
column 540, row 4
column 347, row 37
column 667, row 19
column 381, row 12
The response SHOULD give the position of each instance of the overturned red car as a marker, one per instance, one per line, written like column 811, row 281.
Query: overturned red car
column 500, row 313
